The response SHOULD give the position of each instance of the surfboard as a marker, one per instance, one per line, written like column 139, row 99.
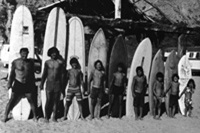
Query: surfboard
column 76, row 47
column 98, row 51
column 119, row 48
column 55, row 36
column 171, row 67
column 157, row 66
column 142, row 57
column 185, row 73
column 21, row 36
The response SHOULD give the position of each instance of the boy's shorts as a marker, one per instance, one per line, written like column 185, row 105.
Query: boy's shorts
column 173, row 101
column 188, row 103
column 138, row 100
column 117, row 90
column 96, row 93
column 71, row 92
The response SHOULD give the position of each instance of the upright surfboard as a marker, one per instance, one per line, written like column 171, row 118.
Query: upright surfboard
column 21, row 36
column 98, row 51
column 76, row 47
column 118, row 55
column 142, row 57
column 185, row 73
column 171, row 67
column 157, row 66
column 55, row 36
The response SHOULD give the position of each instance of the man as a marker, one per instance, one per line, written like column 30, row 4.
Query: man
column 53, row 75
column 22, row 82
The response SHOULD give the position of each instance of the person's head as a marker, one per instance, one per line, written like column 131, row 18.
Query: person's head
column 53, row 52
column 24, row 53
column 191, row 84
column 74, row 62
column 159, row 76
column 139, row 71
column 98, row 65
column 175, row 77
column 120, row 67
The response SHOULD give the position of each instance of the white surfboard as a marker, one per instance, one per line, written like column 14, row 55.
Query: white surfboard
column 142, row 57
column 55, row 36
column 185, row 73
column 76, row 47
column 98, row 51
column 21, row 36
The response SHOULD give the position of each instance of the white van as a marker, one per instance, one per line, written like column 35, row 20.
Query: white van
column 5, row 54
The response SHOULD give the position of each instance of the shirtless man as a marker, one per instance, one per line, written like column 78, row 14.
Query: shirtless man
column 158, row 92
column 53, row 75
column 75, row 81
column 22, row 82
column 117, row 88
column 174, row 91
column 139, row 88
column 97, row 78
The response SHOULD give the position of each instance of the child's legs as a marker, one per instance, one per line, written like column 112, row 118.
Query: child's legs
column 141, row 105
column 120, row 105
column 98, row 107
column 48, row 105
column 159, row 106
column 155, row 107
column 79, row 100
column 111, row 98
column 136, row 104
column 69, row 98
column 55, row 104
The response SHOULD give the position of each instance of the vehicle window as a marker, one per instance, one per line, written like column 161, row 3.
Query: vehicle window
column 191, row 55
column 198, row 55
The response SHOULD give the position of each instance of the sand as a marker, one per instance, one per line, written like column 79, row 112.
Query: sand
column 113, row 125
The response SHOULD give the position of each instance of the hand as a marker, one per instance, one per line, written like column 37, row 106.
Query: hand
column 41, row 87
column 134, row 95
column 106, row 90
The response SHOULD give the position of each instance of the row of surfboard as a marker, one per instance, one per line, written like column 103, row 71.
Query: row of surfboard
column 56, row 35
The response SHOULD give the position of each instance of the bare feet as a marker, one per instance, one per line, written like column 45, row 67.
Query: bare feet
column 54, row 120
column 64, row 119
column 46, row 120
column 91, row 117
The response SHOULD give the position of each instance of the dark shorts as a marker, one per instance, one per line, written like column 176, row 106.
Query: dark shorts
column 138, row 100
column 116, row 90
column 173, row 101
column 96, row 93
column 53, row 86
column 74, row 91
column 22, row 88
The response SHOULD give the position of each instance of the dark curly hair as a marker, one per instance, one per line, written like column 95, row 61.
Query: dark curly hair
column 52, row 50
column 98, row 61
column 175, row 75
column 191, row 81
column 24, row 50
column 139, row 68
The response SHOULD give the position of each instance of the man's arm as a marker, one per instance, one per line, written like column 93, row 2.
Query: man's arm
column 44, row 75
column 146, row 85
column 133, row 87
column 89, row 82
column 82, row 82
column 12, row 76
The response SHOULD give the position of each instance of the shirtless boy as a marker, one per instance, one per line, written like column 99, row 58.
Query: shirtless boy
column 75, row 79
column 139, row 88
column 97, row 78
column 22, row 82
column 117, row 88
column 174, row 91
column 158, row 92
column 52, row 74
column 188, row 91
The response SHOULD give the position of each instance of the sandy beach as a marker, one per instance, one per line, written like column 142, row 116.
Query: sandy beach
column 113, row 125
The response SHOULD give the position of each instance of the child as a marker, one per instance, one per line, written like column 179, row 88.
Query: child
column 97, row 78
column 173, row 98
column 139, row 87
column 117, row 88
column 188, row 91
column 158, row 92
column 75, row 78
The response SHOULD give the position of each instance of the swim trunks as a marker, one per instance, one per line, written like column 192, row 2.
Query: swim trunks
column 173, row 101
column 117, row 90
column 74, row 91
column 53, row 86
column 96, row 93
column 188, row 103
column 21, row 88
column 138, row 100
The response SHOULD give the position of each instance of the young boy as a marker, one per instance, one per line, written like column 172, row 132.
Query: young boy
column 117, row 88
column 188, row 91
column 158, row 92
column 139, row 88
column 174, row 91
column 75, row 79
column 97, row 78
column 52, row 74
